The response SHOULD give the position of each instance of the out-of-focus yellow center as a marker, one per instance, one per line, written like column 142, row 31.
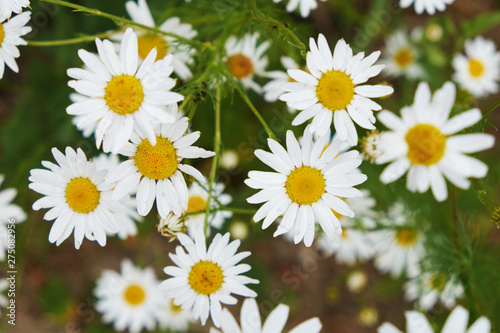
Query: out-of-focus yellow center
column 406, row 237
column 426, row 144
column 196, row 203
column 305, row 185
column 134, row 295
column 124, row 94
column 2, row 33
column 476, row 68
column 404, row 58
column 156, row 162
column 82, row 195
column 206, row 277
column 438, row 281
column 335, row 90
column 147, row 42
column 175, row 308
column 240, row 66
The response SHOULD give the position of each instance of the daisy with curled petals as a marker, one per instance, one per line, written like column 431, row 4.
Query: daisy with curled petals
column 478, row 71
column 140, row 13
column 126, row 220
column 245, row 59
column 333, row 90
column 7, row 7
column 79, row 198
column 399, row 249
column 119, row 96
column 457, row 322
column 203, row 279
column 198, row 200
column 10, row 38
column 422, row 143
column 430, row 288
column 275, row 323
column 175, row 318
column 307, row 186
column 353, row 245
column 305, row 6
column 155, row 171
column 430, row 6
column 9, row 214
column 401, row 56
column 131, row 299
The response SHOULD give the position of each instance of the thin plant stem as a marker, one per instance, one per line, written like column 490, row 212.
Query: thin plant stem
column 491, row 108
column 243, row 95
column 275, row 23
column 217, row 147
column 115, row 18
column 70, row 41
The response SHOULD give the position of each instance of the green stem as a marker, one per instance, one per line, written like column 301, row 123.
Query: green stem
column 217, row 147
column 243, row 95
column 491, row 108
column 275, row 23
column 67, row 41
column 115, row 18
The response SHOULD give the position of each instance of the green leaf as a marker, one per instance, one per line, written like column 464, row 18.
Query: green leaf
column 480, row 24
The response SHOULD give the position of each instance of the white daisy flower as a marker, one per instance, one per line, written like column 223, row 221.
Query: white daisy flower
column 10, row 38
column 140, row 13
column 7, row 7
column 400, row 249
column 276, row 320
column 401, row 56
column 122, row 97
column 305, row 6
column 457, row 322
column 245, row 59
column 430, row 6
column 155, row 172
column 430, row 288
column 79, row 198
column 273, row 89
column 306, row 187
column 203, row 279
column 175, row 318
column 198, row 197
column 333, row 90
column 9, row 212
column 131, row 299
column 126, row 220
column 478, row 71
column 422, row 142
column 353, row 245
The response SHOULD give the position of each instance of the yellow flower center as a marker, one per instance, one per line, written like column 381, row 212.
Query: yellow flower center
column 147, row 42
column 206, row 277
column 369, row 145
column 426, row 144
column 305, row 185
column 175, row 308
column 344, row 234
column 476, row 68
column 403, row 58
column 2, row 33
column 240, row 66
column 124, row 94
column 438, row 281
column 134, row 295
column 335, row 90
column 406, row 237
column 196, row 203
column 156, row 162
column 82, row 195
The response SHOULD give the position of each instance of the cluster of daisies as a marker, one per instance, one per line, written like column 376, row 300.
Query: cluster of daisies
column 124, row 97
